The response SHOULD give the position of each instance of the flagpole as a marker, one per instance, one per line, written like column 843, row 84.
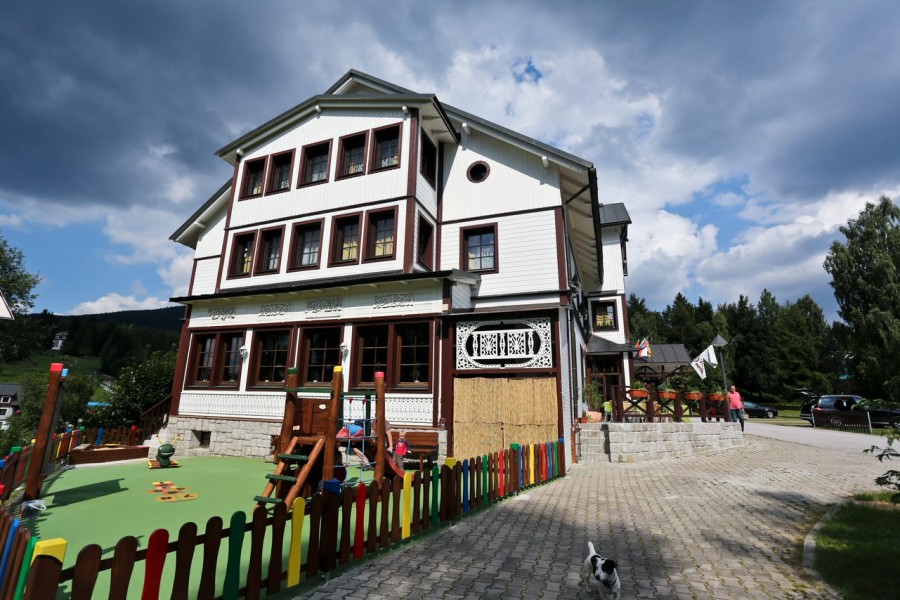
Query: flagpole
column 720, row 343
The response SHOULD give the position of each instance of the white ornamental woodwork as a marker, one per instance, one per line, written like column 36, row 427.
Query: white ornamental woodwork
column 324, row 307
column 507, row 344
column 221, row 313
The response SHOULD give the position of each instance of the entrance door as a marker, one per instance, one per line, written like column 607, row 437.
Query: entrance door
column 607, row 371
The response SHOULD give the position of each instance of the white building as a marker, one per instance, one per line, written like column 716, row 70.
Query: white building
column 377, row 228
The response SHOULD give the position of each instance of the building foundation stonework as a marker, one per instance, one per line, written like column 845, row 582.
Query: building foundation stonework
column 221, row 437
column 641, row 442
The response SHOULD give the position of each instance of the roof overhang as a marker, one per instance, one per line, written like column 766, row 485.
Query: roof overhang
column 666, row 360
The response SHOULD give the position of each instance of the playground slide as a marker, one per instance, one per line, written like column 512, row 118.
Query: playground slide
column 392, row 466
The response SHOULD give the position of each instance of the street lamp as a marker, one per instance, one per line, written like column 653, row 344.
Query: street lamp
column 721, row 342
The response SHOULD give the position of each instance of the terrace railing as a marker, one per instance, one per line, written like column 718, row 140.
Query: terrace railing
column 342, row 528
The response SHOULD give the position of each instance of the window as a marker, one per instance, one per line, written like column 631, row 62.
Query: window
column 314, row 163
column 253, row 177
column 372, row 348
column 345, row 240
column 386, row 151
column 402, row 351
column 321, row 354
column 425, row 250
column 216, row 360
column 478, row 171
column 271, row 351
column 353, row 155
column 429, row 160
column 380, row 235
column 480, row 249
column 242, row 254
column 270, row 251
column 306, row 245
column 280, row 177
column 604, row 316
column 414, row 344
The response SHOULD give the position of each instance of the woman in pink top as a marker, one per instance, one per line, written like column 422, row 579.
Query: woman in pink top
column 736, row 405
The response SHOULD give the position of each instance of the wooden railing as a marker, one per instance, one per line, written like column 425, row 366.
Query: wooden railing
column 16, row 549
column 342, row 527
column 14, row 466
column 654, row 407
column 155, row 418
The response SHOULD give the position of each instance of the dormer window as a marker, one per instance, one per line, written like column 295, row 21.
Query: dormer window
column 314, row 163
column 604, row 316
column 386, row 151
column 280, row 179
column 353, row 155
column 428, row 167
column 253, row 178
column 242, row 254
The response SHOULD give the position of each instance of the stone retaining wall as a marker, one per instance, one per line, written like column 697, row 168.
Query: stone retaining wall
column 640, row 442
column 228, row 437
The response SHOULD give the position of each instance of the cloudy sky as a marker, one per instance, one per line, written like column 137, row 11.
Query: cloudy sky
column 739, row 135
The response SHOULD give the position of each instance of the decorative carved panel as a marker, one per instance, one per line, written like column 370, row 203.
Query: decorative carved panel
column 506, row 344
column 221, row 313
column 396, row 300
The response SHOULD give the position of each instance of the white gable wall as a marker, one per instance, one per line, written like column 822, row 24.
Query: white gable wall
column 517, row 180
column 526, row 253
column 331, row 124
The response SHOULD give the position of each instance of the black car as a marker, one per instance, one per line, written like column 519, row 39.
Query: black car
column 755, row 410
column 838, row 403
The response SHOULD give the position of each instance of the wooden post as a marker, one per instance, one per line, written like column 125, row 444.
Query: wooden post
column 290, row 411
column 379, row 426
column 42, row 437
column 337, row 386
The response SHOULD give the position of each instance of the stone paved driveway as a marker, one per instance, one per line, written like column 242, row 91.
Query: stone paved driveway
column 723, row 525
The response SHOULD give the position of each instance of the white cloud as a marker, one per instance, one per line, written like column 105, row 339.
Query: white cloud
column 114, row 302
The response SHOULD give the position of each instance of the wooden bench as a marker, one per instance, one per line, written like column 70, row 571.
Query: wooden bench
column 423, row 444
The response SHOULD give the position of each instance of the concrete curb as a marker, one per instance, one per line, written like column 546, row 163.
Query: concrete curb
column 809, row 552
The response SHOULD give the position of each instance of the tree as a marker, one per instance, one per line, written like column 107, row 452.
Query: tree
column 139, row 387
column 18, row 338
column 865, row 276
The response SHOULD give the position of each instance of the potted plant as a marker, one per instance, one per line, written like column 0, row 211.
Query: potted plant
column 639, row 389
column 593, row 397
column 693, row 395
column 716, row 393
column 667, row 392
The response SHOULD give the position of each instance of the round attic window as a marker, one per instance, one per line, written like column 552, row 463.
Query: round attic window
column 478, row 171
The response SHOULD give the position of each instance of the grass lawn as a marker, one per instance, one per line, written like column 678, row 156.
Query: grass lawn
column 857, row 551
column 40, row 363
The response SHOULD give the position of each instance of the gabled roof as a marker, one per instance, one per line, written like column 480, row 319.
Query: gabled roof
column 614, row 214
column 195, row 224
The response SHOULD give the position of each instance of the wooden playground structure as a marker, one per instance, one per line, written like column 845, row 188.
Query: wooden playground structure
column 307, row 458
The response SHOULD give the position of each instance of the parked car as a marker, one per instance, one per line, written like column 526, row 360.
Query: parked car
column 755, row 410
column 879, row 416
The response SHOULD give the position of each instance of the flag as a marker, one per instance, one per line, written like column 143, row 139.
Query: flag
column 699, row 366
column 644, row 350
column 709, row 355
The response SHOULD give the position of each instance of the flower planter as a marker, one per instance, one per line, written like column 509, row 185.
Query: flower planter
column 693, row 396
column 639, row 394
column 716, row 397
column 667, row 394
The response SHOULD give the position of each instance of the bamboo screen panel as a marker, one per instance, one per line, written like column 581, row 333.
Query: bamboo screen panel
column 492, row 412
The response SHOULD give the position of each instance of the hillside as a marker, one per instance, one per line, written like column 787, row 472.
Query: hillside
column 168, row 319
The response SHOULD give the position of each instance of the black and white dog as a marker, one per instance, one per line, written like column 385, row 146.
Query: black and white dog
column 603, row 571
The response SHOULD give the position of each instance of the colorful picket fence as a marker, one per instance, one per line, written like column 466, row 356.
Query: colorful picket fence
column 340, row 528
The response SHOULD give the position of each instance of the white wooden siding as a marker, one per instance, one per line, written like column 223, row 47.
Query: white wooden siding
column 613, row 275
column 517, row 180
column 358, row 302
column 331, row 124
column 461, row 296
column 284, row 276
column 205, row 274
column 564, row 376
column 209, row 242
column 526, row 253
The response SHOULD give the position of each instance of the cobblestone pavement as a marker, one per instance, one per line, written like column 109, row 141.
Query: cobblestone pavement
column 723, row 525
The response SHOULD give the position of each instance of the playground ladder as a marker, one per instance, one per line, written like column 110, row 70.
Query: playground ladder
column 294, row 467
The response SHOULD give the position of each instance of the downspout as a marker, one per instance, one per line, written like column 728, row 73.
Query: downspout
column 573, row 369
column 595, row 209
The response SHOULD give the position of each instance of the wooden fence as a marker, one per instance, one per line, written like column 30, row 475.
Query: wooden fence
column 341, row 527
column 14, row 466
column 654, row 408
